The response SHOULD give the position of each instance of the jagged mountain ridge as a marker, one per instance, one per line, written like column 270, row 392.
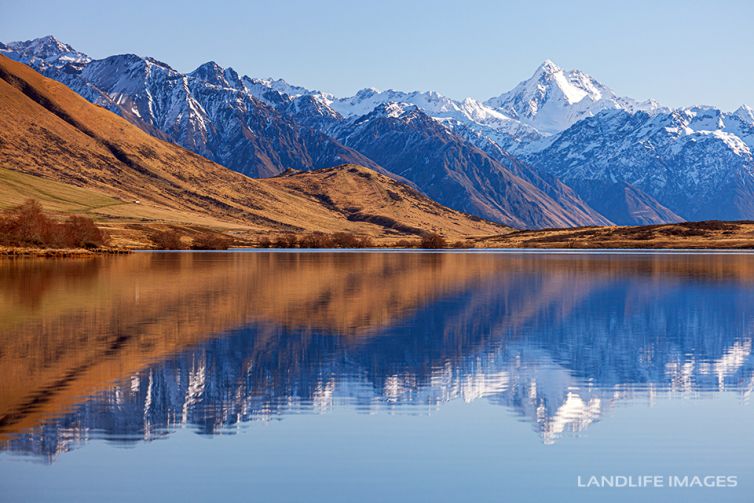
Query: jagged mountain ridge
column 550, row 101
column 420, row 149
column 527, row 121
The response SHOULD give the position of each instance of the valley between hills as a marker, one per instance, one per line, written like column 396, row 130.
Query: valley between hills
column 77, row 158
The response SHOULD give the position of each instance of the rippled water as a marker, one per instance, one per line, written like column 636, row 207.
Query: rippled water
column 375, row 376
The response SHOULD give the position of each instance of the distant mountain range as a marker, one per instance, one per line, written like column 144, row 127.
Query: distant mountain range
column 560, row 149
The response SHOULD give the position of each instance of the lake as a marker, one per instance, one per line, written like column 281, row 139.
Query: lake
column 378, row 376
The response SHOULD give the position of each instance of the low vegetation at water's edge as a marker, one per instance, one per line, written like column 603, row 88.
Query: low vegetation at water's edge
column 28, row 226
column 350, row 240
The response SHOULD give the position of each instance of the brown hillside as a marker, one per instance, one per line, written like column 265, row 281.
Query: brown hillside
column 48, row 131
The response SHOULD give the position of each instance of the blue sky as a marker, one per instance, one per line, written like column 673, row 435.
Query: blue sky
column 679, row 52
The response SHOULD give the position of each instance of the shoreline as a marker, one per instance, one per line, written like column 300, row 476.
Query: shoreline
column 22, row 251
column 687, row 237
column 11, row 253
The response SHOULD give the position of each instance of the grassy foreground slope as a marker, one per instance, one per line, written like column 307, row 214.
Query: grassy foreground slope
column 85, row 158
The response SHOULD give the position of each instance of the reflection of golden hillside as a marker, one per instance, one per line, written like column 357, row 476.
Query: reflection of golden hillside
column 69, row 328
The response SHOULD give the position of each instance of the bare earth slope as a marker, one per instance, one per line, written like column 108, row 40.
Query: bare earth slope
column 48, row 131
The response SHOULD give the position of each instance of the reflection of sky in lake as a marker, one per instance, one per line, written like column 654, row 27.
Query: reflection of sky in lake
column 619, row 365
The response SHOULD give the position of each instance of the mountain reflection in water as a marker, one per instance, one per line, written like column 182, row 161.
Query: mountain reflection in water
column 131, row 348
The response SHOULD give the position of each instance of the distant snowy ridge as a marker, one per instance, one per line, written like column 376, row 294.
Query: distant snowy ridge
column 545, row 104
column 695, row 161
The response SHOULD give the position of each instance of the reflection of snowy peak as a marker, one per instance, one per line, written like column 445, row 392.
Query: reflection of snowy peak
column 560, row 355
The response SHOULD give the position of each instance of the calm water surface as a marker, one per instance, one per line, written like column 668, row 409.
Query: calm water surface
column 375, row 376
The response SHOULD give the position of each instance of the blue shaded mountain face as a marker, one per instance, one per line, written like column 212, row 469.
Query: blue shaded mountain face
column 626, row 204
column 561, row 341
column 560, row 149
column 448, row 168
column 695, row 162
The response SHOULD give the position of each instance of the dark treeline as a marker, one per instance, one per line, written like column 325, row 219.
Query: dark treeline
column 173, row 239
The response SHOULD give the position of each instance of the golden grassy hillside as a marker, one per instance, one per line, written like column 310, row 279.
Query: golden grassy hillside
column 129, row 179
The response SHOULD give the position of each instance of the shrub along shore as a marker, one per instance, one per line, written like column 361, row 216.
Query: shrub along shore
column 348, row 240
column 174, row 239
column 28, row 226
column 25, row 251
column 27, row 231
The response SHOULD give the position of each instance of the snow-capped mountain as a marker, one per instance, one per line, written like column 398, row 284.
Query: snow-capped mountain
column 553, row 99
column 696, row 161
column 488, row 123
column 468, row 114
column 208, row 111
